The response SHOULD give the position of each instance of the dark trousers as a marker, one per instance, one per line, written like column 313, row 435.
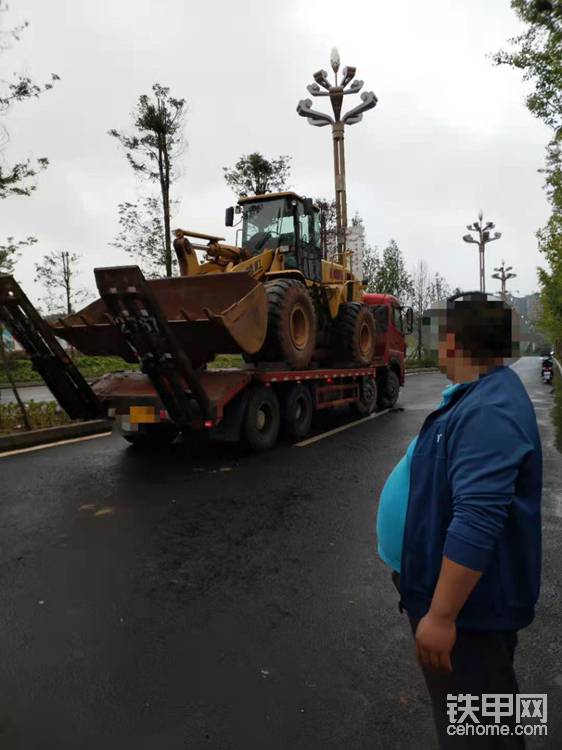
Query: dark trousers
column 482, row 663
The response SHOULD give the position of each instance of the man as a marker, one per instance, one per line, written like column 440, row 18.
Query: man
column 459, row 523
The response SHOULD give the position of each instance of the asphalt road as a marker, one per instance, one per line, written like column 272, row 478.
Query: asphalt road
column 218, row 600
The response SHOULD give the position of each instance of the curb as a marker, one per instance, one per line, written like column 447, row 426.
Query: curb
column 16, row 440
column 419, row 370
column 558, row 364
column 4, row 386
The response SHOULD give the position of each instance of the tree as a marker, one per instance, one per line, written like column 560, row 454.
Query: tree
column 392, row 277
column 538, row 53
column 387, row 274
column 56, row 273
column 440, row 290
column 328, row 227
column 9, row 253
column 17, row 178
column 142, row 234
column 421, row 299
column 371, row 267
column 154, row 149
column 253, row 174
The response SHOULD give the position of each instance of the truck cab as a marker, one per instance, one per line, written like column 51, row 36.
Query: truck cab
column 393, row 322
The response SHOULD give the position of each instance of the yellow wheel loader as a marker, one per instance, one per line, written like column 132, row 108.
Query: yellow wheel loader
column 314, row 306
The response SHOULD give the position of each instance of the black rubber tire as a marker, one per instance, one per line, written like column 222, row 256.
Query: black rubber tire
column 152, row 436
column 354, row 334
column 368, row 400
column 262, row 419
column 389, row 390
column 297, row 412
column 291, row 325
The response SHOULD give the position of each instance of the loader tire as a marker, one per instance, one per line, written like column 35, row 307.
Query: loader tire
column 354, row 334
column 291, row 324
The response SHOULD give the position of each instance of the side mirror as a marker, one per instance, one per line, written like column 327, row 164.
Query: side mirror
column 308, row 206
column 229, row 217
column 409, row 320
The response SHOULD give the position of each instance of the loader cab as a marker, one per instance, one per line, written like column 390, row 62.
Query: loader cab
column 284, row 222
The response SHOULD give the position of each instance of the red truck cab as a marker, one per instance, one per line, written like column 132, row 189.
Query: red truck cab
column 392, row 323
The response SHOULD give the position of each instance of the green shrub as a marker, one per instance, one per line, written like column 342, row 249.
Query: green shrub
column 40, row 414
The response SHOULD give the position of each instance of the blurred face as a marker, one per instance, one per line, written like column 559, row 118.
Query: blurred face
column 458, row 365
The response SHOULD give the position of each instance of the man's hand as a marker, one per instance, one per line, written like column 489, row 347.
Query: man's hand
column 435, row 638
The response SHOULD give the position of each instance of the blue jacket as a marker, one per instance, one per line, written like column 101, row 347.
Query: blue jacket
column 475, row 493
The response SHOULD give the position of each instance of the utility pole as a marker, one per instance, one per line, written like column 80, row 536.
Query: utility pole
column 483, row 237
column 502, row 273
column 336, row 92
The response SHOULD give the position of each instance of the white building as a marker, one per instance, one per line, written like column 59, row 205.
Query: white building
column 355, row 243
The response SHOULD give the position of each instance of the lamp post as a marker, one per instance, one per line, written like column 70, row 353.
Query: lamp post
column 502, row 273
column 483, row 237
column 336, row 92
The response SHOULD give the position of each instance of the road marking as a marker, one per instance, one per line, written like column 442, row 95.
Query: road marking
column 343, row 427
column 53, row 445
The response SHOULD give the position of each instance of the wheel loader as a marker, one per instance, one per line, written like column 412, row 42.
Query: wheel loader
column 274, row 299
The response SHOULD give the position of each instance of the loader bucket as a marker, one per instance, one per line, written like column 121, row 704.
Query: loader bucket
column 222, row 313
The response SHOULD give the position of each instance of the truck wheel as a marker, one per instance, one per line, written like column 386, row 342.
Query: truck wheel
column 367, row 397
column 152, row 435
column 261, row 419
column 354, row 334
column 297, row 412
column 291, row 326
column 389, row 390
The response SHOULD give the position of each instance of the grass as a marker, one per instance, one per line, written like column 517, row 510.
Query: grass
column 40, row 414
column 90, row 367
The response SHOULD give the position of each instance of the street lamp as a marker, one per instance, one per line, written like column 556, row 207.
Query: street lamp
column 483, row 237
column 502, row 273
column 322, row 87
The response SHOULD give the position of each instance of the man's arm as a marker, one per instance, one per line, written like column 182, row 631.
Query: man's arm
column 436, row 632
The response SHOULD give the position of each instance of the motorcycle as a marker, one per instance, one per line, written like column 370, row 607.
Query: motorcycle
column 546, row 371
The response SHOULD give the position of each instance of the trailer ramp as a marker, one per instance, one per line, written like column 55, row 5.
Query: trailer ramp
column 49, row 359
column 141, row 321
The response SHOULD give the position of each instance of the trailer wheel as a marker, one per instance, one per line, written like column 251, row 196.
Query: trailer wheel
column 354, row 334
column 151, row 435
column 367, row 398
column 261, row 419
column 291, row 327
column 297, row 412
column 389, row 390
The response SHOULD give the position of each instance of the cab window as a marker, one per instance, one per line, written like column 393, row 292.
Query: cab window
column 397, row 318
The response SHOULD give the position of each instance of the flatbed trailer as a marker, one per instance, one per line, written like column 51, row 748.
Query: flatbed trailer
column 249, row 404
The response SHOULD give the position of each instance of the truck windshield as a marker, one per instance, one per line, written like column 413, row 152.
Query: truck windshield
column 267, row 225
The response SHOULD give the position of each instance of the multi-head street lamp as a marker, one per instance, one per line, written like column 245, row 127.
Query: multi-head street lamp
column 336, row 91
column 483, row 236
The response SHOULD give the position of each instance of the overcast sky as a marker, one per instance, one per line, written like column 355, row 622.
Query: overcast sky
column 450, row 134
